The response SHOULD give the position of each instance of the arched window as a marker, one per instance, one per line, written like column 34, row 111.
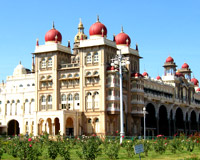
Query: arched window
column 96, row 99
column 96, row 73
column 32, row 106
column 89, row 58
column 8, row 108
column 89, row 125
column 70, row 97
column 89, row 100
column 49, row 99
column 50, row 62
column 43, row 102
column 63, row 101
column 70, row 76
column 76, row 75
column 88, row 74
column 26, row 106
column 96, row 125
column 76, row 97
column 43, row 63
column 63, row 98
column 20, row 85
column 77, row 103
column 77, row 59
column 96, row 57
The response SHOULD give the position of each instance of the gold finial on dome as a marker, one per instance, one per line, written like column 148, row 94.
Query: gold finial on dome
column 80, row 25
column 53, row 25
column 122, row 30
column 97, row 18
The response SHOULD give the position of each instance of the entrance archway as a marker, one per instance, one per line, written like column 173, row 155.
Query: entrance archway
column 69, row 127
column 179, row 120
column 57, row 126
column 163, row 121
column 13, row 127
column 150, row 120
column 193, row 122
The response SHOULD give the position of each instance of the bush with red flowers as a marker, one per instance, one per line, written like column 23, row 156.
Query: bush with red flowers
column 160, row 145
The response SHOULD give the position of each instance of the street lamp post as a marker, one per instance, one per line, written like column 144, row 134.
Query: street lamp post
column 118, row 62
column 144, row 111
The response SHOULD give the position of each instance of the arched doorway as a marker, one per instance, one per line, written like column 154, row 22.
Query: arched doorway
column 179, row 121
column 13, row 127
column 150, row 120
column 163, row 121
column 193, row 122
column 69, row 127
column 57, row 126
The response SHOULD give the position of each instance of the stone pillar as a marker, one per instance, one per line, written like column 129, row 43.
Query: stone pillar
column 185, row 126
column 157, row 123
column 53, row 129
column 197, row 126
column 169, row 126
column 189, row 131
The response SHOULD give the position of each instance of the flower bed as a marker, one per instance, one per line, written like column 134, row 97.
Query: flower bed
column 90, row 148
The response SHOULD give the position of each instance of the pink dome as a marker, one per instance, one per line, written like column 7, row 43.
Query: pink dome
column 195, row 81
column 198, row 90
column 111, row 68
column 145, row 74
column 169, row 59
column 136, row 75
column 51, row 35
column 178, row 74
column 122, row 38
column 158, row 78
column 96, row 29
column 185, row 65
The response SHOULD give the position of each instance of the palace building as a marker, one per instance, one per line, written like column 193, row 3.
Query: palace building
column 77, row 92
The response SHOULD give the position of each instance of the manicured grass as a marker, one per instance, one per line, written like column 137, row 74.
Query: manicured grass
column 123, row 155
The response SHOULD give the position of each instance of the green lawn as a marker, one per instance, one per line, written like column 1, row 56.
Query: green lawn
column 123, row 155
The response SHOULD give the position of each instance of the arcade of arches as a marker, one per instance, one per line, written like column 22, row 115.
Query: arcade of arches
column 52, row 126
column 169, row 122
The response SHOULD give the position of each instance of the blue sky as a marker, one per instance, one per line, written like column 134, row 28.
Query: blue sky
column 160, row 27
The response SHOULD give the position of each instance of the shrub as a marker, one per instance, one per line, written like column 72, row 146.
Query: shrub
column 160, row 145
column 52, row 149
column 90, row 149
column 111, row 148
column 64, row 150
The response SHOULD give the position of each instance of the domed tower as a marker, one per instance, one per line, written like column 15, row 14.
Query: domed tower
column 79, row 36
column 170, row 67
column 186, row 71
